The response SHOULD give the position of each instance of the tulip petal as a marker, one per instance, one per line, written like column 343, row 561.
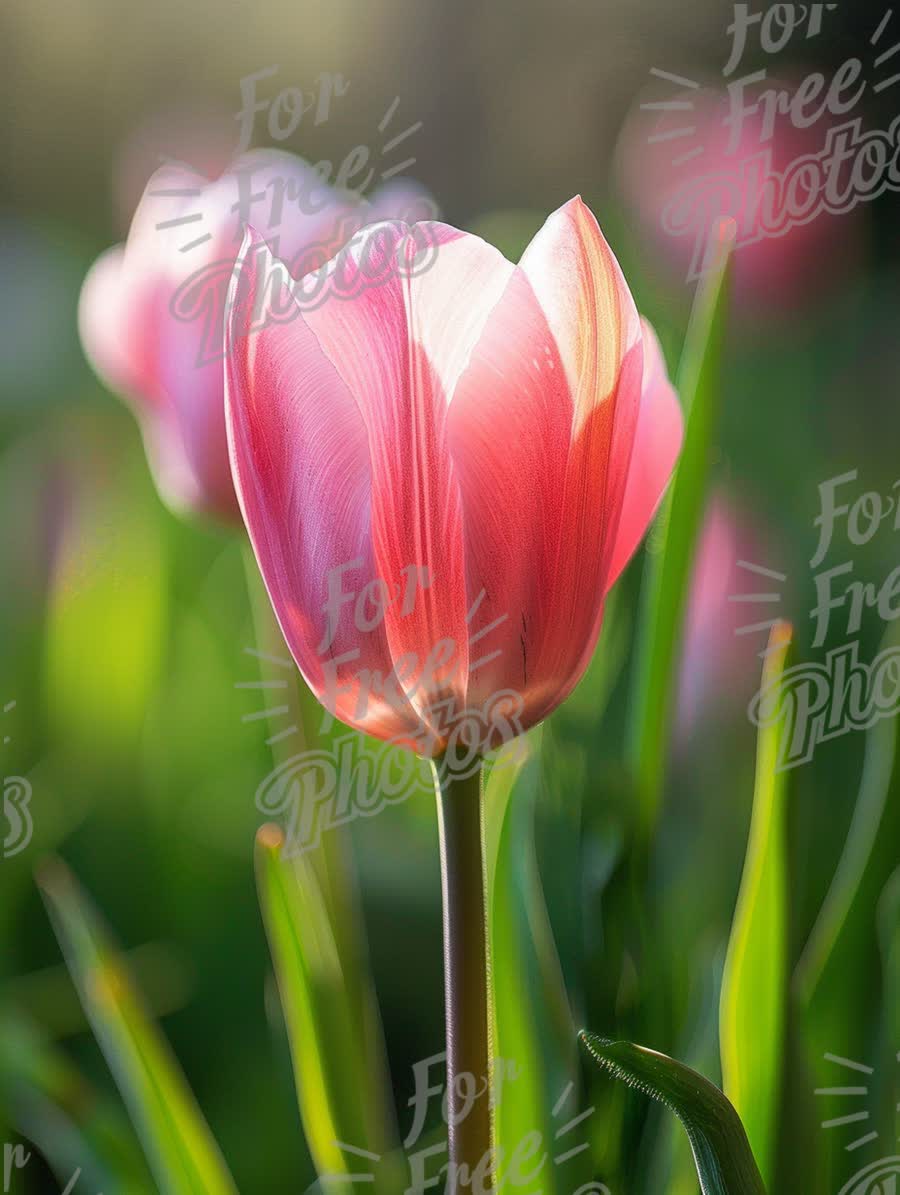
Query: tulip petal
column 121, row 319
column 592, row 316
column 300, row 460
column 101, row 312
column 510, row 427
column 400, row 342
column 588, row 305
column 657, row 442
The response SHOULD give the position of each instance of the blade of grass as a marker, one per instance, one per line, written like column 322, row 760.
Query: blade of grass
column 180, row 1148
column 722, row 1154
column 670, row 553
column 753, row 1008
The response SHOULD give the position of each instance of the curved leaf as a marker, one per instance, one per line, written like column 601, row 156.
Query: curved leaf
column 722, row 1154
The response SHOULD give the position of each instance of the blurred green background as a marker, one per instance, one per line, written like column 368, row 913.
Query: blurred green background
column 123, row 629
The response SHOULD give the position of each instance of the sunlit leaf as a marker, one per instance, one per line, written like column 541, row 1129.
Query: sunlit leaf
column 670, row 554
column 753, row 1008
column 326, row 879
column 180, row 1148
column 722, row 1154
column 341, row 1106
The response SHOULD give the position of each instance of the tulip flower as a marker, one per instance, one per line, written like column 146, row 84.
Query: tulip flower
column 443, row 474
column 443, row 468
column 685, row 162
column 151, row 312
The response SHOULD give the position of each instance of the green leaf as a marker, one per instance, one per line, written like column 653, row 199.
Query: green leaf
column 337, row 1087
column 670, row 554
column 753, row 1009
column 532, row 1034
column 180, row 1148
column 722, row 1154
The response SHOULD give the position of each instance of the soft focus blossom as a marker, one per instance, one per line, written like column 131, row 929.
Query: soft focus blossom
column 686, row 161
column 152, row 310
column 443, row 475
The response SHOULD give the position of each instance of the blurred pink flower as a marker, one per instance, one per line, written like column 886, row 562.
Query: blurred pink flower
column 719, row 664
column 684, row 169
column 505, row 431
column 151, row 313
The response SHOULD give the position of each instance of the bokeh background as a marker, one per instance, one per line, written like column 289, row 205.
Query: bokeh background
column 123, row 629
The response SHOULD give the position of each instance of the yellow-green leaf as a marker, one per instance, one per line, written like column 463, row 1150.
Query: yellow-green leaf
column 341, row 1111
column 753, row 1008
column 180, row 1148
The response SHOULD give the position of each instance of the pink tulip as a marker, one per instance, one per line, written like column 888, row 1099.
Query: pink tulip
column 151, row 312
column 443, row 474
column 686, row 161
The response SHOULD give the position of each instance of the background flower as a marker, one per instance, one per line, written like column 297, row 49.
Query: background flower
column 152, row 310
column 707, row 174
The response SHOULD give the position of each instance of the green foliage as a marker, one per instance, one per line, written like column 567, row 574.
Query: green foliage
column 179, row 1146
column 672, row 541
column 722, row 1155
column 754, row 988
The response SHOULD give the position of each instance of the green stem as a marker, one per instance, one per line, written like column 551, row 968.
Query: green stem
column 460, row 821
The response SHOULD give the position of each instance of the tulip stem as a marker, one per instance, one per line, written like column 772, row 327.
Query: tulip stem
column 461, row 826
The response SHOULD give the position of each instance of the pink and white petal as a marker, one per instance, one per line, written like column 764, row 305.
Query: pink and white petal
column 102, row 322
column 300, row 461
column 657, row 443
column 192, row 377
column 593, row 319
column 590, row 310
column 510, row 424
column 399, row 341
